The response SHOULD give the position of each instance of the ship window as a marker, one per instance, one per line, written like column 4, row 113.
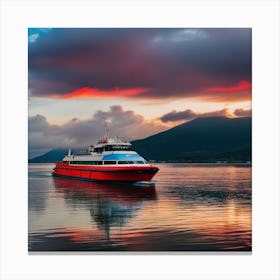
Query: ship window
column 108, row 148
column 140, row 162
column 97, row 162
column 81, row 162
column 110, row 162
column 98, row 150
column 125, row 162
column 117, row 147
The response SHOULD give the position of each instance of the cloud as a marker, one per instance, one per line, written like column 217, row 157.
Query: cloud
column 182, row 36
column 220, row 113
column 187, row 115
column 43, row 135
column 153, row 63
column 178, row 116
column 127, row 125
column 33, row 38
column 35, row 33
column 243, row 113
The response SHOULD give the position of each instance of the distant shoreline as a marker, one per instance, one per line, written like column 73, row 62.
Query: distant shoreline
column 209, row 163
column 185, row 163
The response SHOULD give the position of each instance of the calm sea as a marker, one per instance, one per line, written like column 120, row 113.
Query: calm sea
column 191, row 208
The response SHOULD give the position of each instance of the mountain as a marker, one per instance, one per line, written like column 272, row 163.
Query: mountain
column 51, row 156
column 200, row 140
column 54, row 155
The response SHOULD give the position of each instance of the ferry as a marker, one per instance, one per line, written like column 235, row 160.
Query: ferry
column 110, row 160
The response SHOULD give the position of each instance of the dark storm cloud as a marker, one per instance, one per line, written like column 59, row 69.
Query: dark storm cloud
column 163, row 62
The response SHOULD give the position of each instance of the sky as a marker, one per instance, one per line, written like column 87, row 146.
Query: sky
column 140, row 81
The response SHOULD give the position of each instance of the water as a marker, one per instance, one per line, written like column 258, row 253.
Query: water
column 191, row 208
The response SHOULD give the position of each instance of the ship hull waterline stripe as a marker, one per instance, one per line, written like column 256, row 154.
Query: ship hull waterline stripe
column 100, row 181
column 148, row 171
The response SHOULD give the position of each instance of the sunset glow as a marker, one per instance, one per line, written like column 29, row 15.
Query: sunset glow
column 240, row 86
column 87, row 93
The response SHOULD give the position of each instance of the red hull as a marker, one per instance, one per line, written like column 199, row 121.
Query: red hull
column 106, row 173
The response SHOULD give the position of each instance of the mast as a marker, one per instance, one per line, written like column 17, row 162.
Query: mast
column 106, row 131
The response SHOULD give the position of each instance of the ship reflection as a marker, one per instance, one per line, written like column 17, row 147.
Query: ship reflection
column 110, row 205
